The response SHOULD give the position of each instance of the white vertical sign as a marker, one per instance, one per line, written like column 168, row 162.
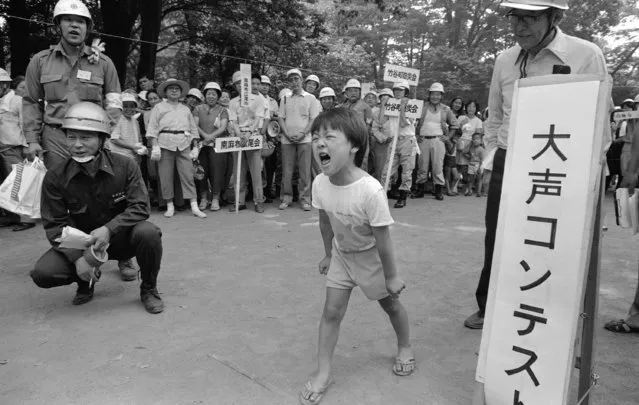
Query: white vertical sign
column 553, row 164
column 245, row 77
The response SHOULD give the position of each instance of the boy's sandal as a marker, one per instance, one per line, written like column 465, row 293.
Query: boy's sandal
column 308, row 396
column 404, row 368
column 620, row 326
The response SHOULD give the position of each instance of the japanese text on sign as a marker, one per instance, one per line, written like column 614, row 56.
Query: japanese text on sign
column 245, row 77
column 626, row 115
column 394, row 73
column 234, row 144
column 413, row 108
column 541, row 250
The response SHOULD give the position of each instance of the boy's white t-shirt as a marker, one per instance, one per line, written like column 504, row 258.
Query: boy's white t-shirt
column 353, row 210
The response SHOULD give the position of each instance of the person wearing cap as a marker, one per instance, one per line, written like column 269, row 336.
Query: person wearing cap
column 101, row 194
column 126, row 138
column 382, row 136
column 630, row 323
column 436, row 125
column 371, row 98
column 12, row 142
column 211, row 119
column 193, row 98
column 327, row 98
column 270, row 163
column 311, row 84
column 297, row 112
column 406, row 147
column 245, row 122
column 541, row 49
column 354, row 102
column 61, row 76
column 170, row 133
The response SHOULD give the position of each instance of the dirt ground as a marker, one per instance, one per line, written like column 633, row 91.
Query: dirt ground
column 243, row 299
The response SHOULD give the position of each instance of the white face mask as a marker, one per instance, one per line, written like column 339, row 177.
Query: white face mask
column 83, row 159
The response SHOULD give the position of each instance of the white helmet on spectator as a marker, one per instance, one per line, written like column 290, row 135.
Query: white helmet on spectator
column 87, row 116
column 126, row 96
column 285, row 93
column 195, row 93
column 402, row 84
column 436, row 87
column 353, row 83
column 637, row 99
column 237, row 76
column 4, row 76
column 142, row 95
column 72, row 7
column 266, row 80
column 327, row 92
column 313, row 78
column 294, row 72
column 213, row 86
column 385, row 92
column 536, row 5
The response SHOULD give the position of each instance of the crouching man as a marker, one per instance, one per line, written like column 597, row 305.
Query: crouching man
column 102, row 194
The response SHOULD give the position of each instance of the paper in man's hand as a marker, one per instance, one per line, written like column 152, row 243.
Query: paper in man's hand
column 73, row 238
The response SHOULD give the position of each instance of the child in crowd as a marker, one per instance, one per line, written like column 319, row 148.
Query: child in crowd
column 475, row 154
column 126, row 138
column 354, row 223
column 450, row 164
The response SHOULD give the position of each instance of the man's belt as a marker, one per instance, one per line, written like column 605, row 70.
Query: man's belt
column 430, row 137
column 166, row 131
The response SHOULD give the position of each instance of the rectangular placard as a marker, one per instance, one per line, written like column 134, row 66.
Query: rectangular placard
column 413, row 108
column 394, row 73
column 234, row 143
column 245, row 77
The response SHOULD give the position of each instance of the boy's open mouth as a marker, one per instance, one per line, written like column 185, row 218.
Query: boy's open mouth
column 325, row 158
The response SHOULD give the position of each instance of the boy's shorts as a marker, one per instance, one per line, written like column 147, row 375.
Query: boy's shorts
column 473, row 168
column 450, row 161
column 363, row 269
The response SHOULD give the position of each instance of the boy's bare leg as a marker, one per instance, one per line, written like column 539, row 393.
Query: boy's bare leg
column 334, row 310
column 447, row 179
column 456, row 179
column 399, row 319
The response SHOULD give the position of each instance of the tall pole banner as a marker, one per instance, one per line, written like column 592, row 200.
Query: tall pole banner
column 544, row 239
column 245, row 77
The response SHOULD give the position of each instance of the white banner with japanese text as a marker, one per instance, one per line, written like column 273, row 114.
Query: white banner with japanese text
column 245, row 77
column 413, row 108
column 395, row 73
column 626, row 115
column 553, row 163
column 234, row 143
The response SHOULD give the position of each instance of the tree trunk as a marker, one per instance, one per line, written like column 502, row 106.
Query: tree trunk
column 151, row 15
column 119, row 17
column 18, row 34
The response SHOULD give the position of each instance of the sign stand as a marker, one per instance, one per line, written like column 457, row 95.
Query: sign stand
column 392, row 156
column 237, row 182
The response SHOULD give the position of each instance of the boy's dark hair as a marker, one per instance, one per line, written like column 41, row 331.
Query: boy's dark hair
column 350, row 123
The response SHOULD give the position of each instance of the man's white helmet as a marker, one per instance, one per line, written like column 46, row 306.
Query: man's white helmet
column 312, row 78
column 266, row 80
column 72, row 7
column 4, row 76
column 536, row 5
column 353, row 83
column 436, row 87
column 327, row 92
column 214, row 86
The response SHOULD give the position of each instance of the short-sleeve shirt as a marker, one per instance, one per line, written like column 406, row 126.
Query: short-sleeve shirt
column 11, row 120
column 254, row 114
column 167, row 118
column 297, row 111
column 353, row 210
column 209, row 118
column 127, row 129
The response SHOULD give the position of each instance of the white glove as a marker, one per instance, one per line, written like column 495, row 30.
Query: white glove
column 85, row 271
column 195, row 152
column 140, row 149
column 156, row 153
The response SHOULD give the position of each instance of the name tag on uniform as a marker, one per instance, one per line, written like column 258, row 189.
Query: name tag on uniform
column 117, row 197
column 84, row 75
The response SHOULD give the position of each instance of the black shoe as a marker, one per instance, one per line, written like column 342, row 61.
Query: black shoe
column 420, row 191
column 151, row 300
column 242, row 207
column 84, row 293
column 393, row 194
column 269, row 195
column 401, row 201
column 268, row 200
column 23, row 226
column 439, row 192
column 259, row 208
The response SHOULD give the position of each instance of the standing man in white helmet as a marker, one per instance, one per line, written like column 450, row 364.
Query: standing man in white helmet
column 353, row 91
column 434, row 129
column 61, row 76
column 542, row 49
column 270, row 163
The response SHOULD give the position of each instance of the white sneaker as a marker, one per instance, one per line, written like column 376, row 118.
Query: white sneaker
column 170, row 211
column 196, row 211
column 215, row 205
column 284, row 205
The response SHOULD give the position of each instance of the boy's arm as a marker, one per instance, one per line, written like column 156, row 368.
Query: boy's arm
column 386, row 250
column 327, row 232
